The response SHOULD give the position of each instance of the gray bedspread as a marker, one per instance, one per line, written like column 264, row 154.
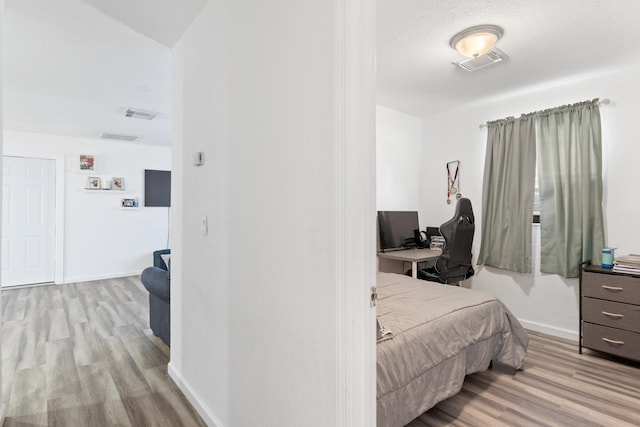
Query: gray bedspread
column 440, row 334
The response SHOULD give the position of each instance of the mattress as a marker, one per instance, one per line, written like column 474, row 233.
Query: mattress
column 436, row 334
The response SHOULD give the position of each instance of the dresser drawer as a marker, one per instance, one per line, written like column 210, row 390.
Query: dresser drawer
column 611, row 287
column 611, row 340
column 609, row 313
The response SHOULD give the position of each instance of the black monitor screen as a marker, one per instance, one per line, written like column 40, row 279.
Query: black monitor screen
column 157, row 188
column 396, row 228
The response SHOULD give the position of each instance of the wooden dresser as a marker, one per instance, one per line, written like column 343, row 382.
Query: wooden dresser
column 610, row 312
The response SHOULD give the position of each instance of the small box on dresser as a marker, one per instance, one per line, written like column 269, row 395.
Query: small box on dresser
column 610, row 312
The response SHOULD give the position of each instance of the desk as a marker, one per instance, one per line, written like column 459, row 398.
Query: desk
column 414, row 256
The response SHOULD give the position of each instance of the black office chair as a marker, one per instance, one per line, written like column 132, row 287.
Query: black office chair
column 454, row 264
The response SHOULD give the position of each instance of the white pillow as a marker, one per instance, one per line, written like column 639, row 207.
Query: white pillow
column 166, row 258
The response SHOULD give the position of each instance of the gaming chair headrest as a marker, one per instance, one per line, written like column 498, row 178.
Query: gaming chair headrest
column 464, row 209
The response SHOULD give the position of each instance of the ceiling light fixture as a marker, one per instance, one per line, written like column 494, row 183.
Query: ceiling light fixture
column 476, row 41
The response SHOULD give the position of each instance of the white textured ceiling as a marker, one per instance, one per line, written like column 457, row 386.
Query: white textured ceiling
column 546, row 40
column 73, row 69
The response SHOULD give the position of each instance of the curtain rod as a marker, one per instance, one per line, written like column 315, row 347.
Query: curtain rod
column 605, row 101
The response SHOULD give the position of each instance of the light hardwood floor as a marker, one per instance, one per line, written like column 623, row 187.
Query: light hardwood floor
column 83, row 355
column 558, row 387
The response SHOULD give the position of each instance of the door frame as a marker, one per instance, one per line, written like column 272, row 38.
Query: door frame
column 59, row 159
column 355, row 93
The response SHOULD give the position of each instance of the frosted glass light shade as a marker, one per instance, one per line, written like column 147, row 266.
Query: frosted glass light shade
column 476, row 41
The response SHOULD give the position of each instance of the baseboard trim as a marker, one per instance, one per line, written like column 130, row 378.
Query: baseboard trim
column 78, row 279
column 207, row 415
column 551, row 330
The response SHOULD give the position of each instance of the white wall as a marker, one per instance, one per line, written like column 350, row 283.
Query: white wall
column 256, row 302
column 543, row 302
column 398, row 160
column 200, row 355
column 101, row 240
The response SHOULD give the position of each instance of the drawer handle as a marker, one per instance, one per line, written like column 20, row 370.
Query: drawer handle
column 612, row 288
column 613, row 341
column 619, row 316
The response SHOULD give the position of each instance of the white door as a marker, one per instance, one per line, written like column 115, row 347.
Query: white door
column 28, row 221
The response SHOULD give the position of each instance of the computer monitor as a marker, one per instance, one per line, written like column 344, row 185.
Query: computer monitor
column 396, row 229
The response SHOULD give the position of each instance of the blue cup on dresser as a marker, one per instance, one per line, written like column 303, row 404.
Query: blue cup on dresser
column 608, row 257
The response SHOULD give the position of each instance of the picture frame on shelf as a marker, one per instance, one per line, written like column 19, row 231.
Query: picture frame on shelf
column 130, row 203
column 94, row 183
column 87, row 163
column 117, row 184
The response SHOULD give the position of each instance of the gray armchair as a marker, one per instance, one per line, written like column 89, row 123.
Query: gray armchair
column 157, row 281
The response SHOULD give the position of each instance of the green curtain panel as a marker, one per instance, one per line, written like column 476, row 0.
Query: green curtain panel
column 570, row 180
column 507, row 196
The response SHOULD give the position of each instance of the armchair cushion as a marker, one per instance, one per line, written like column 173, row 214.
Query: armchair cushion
column 157, row 282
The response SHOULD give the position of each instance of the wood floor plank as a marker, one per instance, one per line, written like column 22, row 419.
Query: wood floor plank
column 176, row 411
column 101, row 323
column 15, row 306
column 558, row 387
column 29, row 393
column 128, row 377
column 9, row 369
column 159, row 381
column 83, row 355
column 97, row 414
column 74, row 310
column 58, row 325
column 61, row 369
column 96, row 385
column 87, row 348
column 12, row 334
column 31, row 349
column 142, row 350
column 29, row 420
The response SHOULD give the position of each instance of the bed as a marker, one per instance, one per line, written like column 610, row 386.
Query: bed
column 430, row 336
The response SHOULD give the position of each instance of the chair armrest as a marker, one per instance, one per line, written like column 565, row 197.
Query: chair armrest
column 158, row 282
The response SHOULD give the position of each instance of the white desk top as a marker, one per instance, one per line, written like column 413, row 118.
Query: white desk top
column 411, row 255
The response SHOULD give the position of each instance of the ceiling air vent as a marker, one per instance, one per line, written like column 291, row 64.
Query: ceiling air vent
column 492, row 57
column 135, row 113
column 119, row 137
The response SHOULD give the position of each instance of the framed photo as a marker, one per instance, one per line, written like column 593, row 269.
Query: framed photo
column 117, row 184
column 87, row 163
column 129, row 203
column 94, row 183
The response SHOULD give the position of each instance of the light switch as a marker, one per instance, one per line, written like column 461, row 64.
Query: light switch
column 204, row 225
column 198, row 159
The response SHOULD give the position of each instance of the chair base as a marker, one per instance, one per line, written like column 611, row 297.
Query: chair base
column 432, row 275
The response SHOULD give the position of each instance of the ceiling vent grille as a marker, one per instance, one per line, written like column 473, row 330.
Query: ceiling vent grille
column 492, row 57
column 135, row 113
column 119, row 137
